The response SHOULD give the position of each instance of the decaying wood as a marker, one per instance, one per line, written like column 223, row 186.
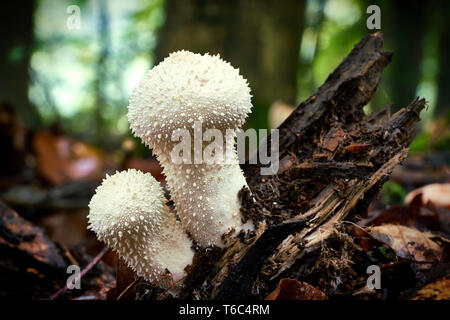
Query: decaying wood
column 333, row 158
column 34, row 267
column 30, row 260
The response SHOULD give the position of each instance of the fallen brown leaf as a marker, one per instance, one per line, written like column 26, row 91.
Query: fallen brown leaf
column 438, row 290
column 408, row 243
column 427, row 217
column 292, row 289
column 28, row 239
column 61, row 159
column 438, row 193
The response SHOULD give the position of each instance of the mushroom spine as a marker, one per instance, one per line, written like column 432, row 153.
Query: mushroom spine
column 129, row 214
column 184, row 91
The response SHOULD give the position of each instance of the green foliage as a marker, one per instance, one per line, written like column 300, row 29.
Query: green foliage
column 420, row 144
column 388, row 253
column 327, row 39
column 16, row 54
column 393, row 193
column 424, row 142
column 443, row 143
column 82, row 78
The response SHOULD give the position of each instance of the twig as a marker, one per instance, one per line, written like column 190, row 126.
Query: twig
column 69, row 255
column 170, row 287
column 82, row 273
column 127, row 288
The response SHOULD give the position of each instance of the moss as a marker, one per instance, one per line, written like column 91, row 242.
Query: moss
column 393, row 193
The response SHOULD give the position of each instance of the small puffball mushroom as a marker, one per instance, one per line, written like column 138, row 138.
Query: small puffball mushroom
column 129, row 214
column 183, row 91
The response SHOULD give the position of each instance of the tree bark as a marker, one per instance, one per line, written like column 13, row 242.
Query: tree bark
column 404, row 23
column 101, row 71
column 16, row 23
column 443, row 99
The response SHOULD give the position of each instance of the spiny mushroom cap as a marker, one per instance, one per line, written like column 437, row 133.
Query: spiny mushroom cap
column 125, row 203
column 129, row 214
column 184, row 88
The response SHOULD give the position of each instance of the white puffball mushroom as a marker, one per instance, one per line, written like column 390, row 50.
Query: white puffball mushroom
column 129, row 214
column 184, row 89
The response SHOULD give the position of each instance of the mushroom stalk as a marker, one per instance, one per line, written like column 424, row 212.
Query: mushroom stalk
column 206, row 197
column 183, row 91
column 129, row 214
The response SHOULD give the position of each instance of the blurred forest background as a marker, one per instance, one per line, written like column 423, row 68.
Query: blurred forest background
column 64, row 92
column 81, row 79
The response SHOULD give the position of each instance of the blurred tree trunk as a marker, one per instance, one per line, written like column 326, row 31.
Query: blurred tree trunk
column 404, row 25
column 261, row 38
column 16, row 23
column 443, row 100
column 101, row 70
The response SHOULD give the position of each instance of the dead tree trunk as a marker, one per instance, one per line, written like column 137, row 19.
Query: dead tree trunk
column 15, row 53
